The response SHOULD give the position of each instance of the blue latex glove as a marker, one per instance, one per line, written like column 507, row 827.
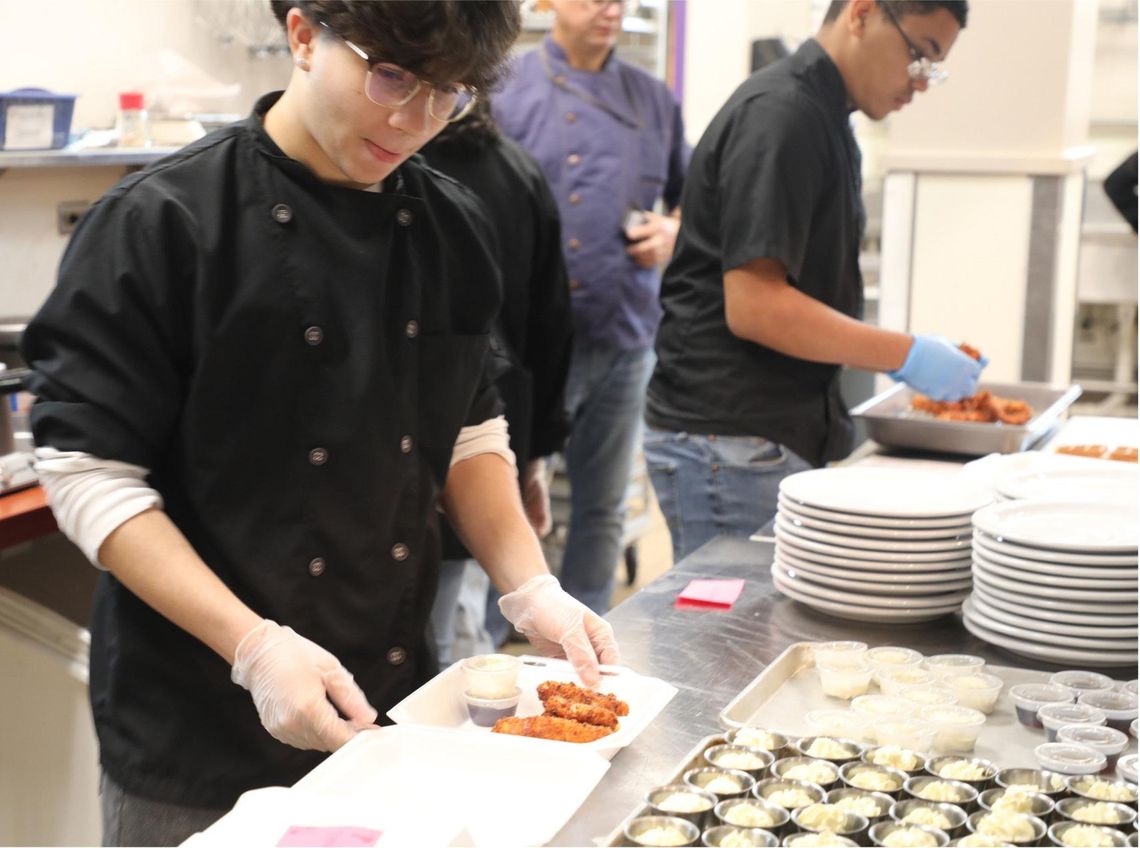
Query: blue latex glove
column 936, row 368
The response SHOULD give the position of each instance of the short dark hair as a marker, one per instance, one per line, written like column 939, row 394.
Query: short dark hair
column 440, row 40
column 958, row 8
column 474, row 131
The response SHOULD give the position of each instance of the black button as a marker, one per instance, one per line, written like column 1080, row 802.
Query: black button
column 406, row 444
column 412, row 329
column 317, row 566
column 314, row 335
column 282, row 214
column 396, row 656
column 318, row 456
column 404, row 217
column 399, row 552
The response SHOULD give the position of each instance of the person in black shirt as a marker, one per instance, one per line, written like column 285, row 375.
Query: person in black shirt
column 763, row 296
column 1120, row 186
column 263, row 370
column 533, row 331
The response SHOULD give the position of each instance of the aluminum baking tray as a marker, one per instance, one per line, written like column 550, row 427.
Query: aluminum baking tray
column 891, row 422
column 780, row 696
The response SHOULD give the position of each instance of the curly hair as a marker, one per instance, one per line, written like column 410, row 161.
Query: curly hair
column 439, row 40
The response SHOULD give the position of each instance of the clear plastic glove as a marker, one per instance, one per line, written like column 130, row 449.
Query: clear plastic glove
column 292, row 681
column 558, row 625
column 936, row 368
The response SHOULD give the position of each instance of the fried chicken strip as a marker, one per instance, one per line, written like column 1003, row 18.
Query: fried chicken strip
column 550, row 727
column 574, row 692
column 556, row 705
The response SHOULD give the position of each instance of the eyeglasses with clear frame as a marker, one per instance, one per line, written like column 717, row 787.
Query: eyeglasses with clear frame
column 921, row 67
column 391, row 86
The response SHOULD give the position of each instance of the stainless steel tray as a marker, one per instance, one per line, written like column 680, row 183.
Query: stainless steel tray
column 782, row 694
column 693, row 759
column 891, row 422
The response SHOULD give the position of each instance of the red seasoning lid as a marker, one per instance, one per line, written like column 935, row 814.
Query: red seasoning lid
column 129, row 100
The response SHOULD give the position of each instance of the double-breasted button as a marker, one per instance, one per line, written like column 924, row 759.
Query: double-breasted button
column 575, row 285
column 314, row 335
column 575, row 198
column 399, row 552
column 573, row 159
column 318, row 456
column 560, row 79
column 396, row 656
column 412, row 329
column 405, row 444
column 282, row 214
column 571, row 117
column 404, row 217
column 317, row 566
column 574, row 244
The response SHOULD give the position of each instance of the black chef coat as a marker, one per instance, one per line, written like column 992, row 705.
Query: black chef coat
column 776, row 175
column 534, row 327
column 292, row 361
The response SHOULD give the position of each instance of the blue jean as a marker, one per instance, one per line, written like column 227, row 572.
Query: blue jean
column 715, row 485
column 605, row 396
column 457, row 614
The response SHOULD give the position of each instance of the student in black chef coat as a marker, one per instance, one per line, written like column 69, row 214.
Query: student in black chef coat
column 763, row 296
column 263, row 368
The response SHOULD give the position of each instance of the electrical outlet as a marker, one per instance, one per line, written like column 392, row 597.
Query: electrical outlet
column 68, row 213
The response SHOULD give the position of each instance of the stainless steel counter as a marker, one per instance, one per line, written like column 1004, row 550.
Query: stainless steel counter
column 711, row 655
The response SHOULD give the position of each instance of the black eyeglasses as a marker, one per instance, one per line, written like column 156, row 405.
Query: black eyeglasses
column 921, row 68
column 391, row 86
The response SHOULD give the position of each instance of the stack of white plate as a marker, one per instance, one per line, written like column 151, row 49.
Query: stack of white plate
column 876, row 544
column 1056, row 580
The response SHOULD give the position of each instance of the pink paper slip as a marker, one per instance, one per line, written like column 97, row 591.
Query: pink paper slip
column 299, row 836
column 702, row 594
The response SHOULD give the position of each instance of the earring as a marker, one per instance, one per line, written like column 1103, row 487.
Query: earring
column 301, row 63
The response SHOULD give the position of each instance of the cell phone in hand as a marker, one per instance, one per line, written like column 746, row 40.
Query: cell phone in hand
column 634, row 217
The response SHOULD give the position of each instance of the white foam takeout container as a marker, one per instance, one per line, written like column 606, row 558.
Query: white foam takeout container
column 439, row 702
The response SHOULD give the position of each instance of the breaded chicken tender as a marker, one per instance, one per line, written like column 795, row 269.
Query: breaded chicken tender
column 550, row 727
column 574, row 692
column 556, row 705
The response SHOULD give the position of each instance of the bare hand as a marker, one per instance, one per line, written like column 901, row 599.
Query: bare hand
column 653, row 241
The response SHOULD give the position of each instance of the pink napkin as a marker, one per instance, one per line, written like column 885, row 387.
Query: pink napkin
column 309, row 837
column 702, row 594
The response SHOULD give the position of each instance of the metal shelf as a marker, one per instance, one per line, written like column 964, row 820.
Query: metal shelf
column 112, row 157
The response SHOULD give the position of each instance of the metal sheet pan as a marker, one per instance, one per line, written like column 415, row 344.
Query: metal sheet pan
column 782, row 694
column 891, row 422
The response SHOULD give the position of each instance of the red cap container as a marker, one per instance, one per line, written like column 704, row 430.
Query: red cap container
column 131, row 100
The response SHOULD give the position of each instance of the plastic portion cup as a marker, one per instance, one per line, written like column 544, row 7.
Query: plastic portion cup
column 1082, row 681
column 893, row 678
column 956, row 728
column 910, row 733
column 1066, row 758
column 838, row 652
column 832, row 722
column 929, row 696
column 844, row 678
column 484, row 712
column 893, row 656
column 944, row 664
column 874, row 707
column 1107, row 740
column 1119, row 708
column 978, row 691
column 491, row 675
column 1028, row 698
column 1054, row 716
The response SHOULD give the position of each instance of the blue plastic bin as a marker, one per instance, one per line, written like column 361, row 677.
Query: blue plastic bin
column 62, row 107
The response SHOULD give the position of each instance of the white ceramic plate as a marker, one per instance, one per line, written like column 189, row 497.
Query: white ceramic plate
column 900, row 586
column 970, row 609
column 1029, row 572
column 1047, row 626
column 1061, row 600
column 1012, row 603
column 791, row 557
column 1049, row 653
column 887, row 492
column 926, row 561
column 948, row 545
column 1061, row 557
column 956, row 533
column 858, row 612
column 1116, row 572
column 1112, row 483
column 873, row 520
column 869, row 599
column 1064, row 525
column 1042, row 589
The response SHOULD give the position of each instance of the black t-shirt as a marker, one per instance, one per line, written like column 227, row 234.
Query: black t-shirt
column 776, row 175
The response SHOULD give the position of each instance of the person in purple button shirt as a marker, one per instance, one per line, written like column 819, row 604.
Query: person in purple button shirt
column 610, row 140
